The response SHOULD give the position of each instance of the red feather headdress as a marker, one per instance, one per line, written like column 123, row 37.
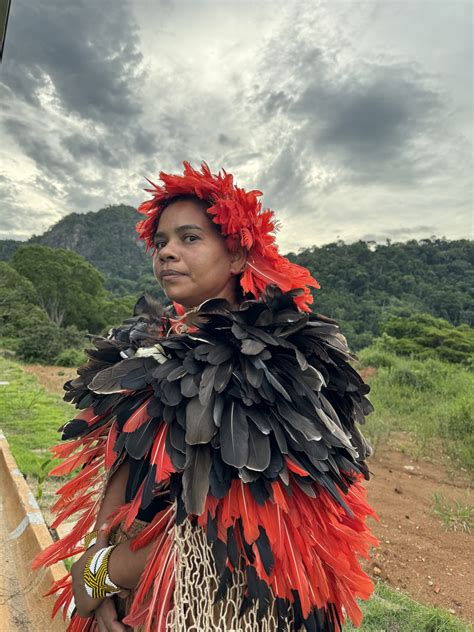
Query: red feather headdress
column 242, row 221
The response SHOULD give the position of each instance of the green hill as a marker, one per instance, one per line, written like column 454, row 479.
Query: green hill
column 362, row 283
column 106, row 238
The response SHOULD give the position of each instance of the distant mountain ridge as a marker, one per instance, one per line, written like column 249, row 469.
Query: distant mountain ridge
column 106, row 238
column 361, row 282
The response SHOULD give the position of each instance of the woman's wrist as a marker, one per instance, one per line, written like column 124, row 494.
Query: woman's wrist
column 97, row 580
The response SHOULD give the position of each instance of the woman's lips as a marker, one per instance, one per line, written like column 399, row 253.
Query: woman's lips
column 170, row 274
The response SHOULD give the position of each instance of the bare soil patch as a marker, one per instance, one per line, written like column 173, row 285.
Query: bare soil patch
column 417, row 555
column 51, row 377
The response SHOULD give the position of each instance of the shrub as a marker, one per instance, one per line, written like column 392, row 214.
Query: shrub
column 45, row 341
column 70, row 357
column 414, row 378
column 423, row 336
column 458, row 422
column 378, row 358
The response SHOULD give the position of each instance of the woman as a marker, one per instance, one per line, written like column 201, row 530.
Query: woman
column 227, row 435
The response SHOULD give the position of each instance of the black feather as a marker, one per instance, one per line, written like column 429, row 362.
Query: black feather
column 219, row 553
column 259, row 450
column 189, row 386
column 211, row 528
column 224, row 583
column 232, row 551
column 234, row 435
column 196, row 478
column 200, row 427
column 265, row 551
column 139, row 442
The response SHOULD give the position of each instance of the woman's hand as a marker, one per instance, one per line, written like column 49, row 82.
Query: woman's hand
column 107, row 619
column 85, row 605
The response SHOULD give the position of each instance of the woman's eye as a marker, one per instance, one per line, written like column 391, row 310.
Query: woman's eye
column 159, row 244
column 190, row 238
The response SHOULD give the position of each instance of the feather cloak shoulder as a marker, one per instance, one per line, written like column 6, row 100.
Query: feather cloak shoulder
column 249, row 421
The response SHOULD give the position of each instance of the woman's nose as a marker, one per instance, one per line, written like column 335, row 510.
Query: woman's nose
column 167, row 252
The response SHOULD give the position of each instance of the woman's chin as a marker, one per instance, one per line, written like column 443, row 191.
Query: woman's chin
column 182, row 299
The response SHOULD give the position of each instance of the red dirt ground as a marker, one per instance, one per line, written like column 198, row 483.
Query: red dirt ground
column 416, row 554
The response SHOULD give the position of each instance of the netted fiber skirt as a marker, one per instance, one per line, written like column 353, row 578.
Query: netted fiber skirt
column 193, row 608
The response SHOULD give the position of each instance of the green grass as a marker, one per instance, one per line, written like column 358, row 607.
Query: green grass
column 29, row 417
column 456, row 516
column 392, row 611
column 430, row 399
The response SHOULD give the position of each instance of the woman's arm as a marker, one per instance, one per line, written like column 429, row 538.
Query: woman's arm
column 125, row 566
column 114, row 495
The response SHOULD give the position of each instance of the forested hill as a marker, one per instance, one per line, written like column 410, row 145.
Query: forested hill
column 106, row 238
column 360, row 282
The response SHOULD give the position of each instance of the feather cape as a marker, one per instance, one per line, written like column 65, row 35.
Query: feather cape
column 249, row 421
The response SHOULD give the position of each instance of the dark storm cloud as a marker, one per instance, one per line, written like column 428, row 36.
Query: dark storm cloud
column 37, row 146
column 83, row 60
column 353, row 119
column 89, row 147
column 285, row 178
column 224, row 140
column 87, row 50
column 368, row 123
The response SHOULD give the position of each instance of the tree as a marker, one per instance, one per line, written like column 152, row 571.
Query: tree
column 19, row 303
column 69, row 288
column 425, row 336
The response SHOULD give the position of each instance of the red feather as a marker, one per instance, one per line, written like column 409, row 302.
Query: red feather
column 296, row 572
column 159, row 456
column 162, row 521
column 134, row 507
column 110, row 455
column 138, row 417
column 295, row 468
column 248, row 512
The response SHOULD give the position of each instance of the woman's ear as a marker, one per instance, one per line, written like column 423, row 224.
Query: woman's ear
column 238, row 260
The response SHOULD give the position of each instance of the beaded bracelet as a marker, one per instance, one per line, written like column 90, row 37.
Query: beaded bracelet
column 96, row 575
column 90, row 539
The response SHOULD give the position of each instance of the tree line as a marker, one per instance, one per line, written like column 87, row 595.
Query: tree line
column 409, row 295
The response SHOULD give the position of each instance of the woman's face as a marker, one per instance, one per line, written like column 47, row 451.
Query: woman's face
column 192, row 262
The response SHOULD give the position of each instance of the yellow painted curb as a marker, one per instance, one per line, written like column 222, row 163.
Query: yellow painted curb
column 23, row 534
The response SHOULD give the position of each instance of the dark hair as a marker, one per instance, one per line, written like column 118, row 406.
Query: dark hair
column 186, row 197
column 189, row 197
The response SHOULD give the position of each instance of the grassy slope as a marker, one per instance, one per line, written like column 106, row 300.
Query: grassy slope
column 30, row 417
column 429, row 399
column 392, row 611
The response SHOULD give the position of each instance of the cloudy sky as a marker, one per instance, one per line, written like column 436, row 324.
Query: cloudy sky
column 354, row 118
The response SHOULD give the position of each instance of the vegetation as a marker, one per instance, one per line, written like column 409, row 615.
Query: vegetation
column 108, row 240
column 392, row 611
column 456, row 516
column 430, row 399
column 30, row 418
column 424, row 336
column 50, row 300
column 68, row 287
column 363, row 283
